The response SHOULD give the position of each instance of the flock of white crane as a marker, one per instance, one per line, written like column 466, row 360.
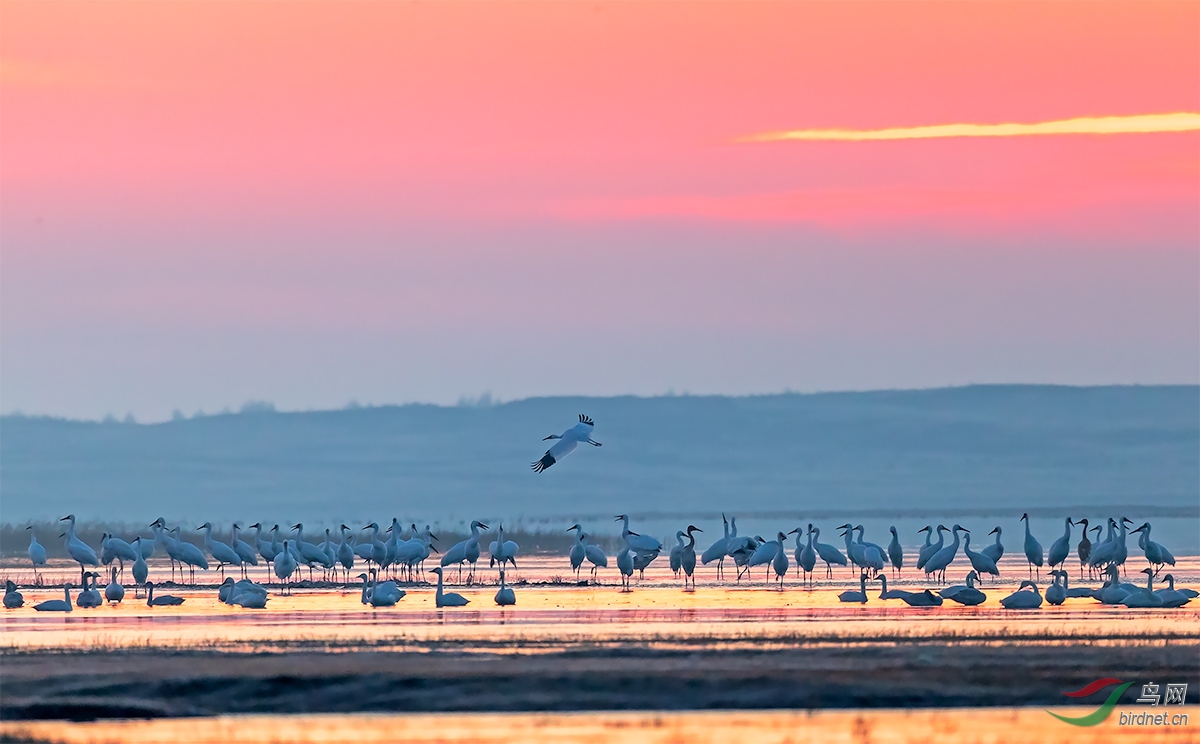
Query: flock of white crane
column 405, row 557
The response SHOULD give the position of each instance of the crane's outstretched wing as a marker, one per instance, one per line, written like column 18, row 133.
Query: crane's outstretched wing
column 561, row 449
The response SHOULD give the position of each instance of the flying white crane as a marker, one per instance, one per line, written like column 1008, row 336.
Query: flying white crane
column 444, row 598
column 79, row 551
column 581, row 432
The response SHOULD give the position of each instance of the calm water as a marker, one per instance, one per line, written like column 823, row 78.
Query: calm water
column 549, row 615
column 919, row 726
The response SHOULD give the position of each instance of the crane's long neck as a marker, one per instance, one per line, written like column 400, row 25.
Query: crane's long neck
column 1067, row 528
column 955, row 543
column 997, row 537
column 1149, row 581
column 928, row 538
column 1028, row 534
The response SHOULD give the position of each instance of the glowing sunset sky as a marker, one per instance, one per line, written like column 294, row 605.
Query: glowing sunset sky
column 204, row 203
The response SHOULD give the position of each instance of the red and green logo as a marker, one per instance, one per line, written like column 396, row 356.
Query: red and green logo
column 1105, row 709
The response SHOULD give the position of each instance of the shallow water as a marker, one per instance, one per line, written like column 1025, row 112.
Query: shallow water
column 963, row 725
column 551, row 613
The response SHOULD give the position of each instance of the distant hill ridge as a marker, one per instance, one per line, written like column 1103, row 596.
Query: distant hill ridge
column 907, row 451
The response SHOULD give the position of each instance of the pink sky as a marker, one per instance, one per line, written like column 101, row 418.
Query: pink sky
column 311, row 202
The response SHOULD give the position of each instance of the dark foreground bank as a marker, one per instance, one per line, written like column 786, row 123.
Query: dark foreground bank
column 150, row 683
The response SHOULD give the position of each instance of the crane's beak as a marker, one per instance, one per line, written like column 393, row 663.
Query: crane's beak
column 634, row 533
column 993, row 531
column 546, row 439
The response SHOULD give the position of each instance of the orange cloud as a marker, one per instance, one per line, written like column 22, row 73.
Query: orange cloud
column 1138, row 124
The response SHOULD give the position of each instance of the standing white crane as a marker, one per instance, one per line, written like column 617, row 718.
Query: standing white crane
column 1156, row 555
column 140, row 570
column 244, row 550
column 502, row 551
column 980, row 562
column 926, row 551
column 595, row 556
column 310, row 553
column 996, row 550
column 285, row 566
column 718, row 550
column 578, row 550
column 581, row 432
column 676, row 554
column 806, row 556
column 625, row 566
column 79, row 551
column 465, row 551
column 1059, row 550
column 940, row 560
column 645, row 548
column 1033, row 553
column 895, row 552
column 1084, row 550
column 221, row 552
column 687, row 557
column 36, row 552
column 114, row 592
column 829, row 553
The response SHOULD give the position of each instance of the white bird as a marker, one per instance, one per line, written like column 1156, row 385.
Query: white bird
column 444, row 598
column 268, row 549
column 780, row 562
column 57, row 605
column 764, row 554
column 14, row 599
column 285, row 565
column 718, row 550
column 625, row 566
column 1144, row 597
column 1113, row 550
column 221, row 552
column 1060, row 549
column 373, row 551
column 873, row 554
column 36, row 553
column 245, row 551
column 852, row 596
column 965, row 595
column 140, row 570
column 895, row 552
column 595, row 556
column 114, row 592
column 581, row 432
column 926, row 551
column 856, row 551
column 165, row 600
column 1113, row 592
column 742, row 549
column 885, row 593
column 465, row 551
column 1170, row 596
column 980, row 562
column 921, row 599
column 687, row 557
column 387, row 590
column 676, row 555
column 502, row 551
column 829, row 554
column 505, row 596
column 1023, row 600
column 995, row 551
column 1033, row 551
column 1077, row 592
column 806, row 556
column 1156, row 555
column 941, row 560
column 79, row 551
column 119, row 549
column 310, row 553
column 1056, row 593
column 89, row 597
column 645, row 548
column 578, row 550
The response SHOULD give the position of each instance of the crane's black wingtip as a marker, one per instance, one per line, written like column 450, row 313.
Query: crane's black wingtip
column 543, row 463
column 585, row 419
